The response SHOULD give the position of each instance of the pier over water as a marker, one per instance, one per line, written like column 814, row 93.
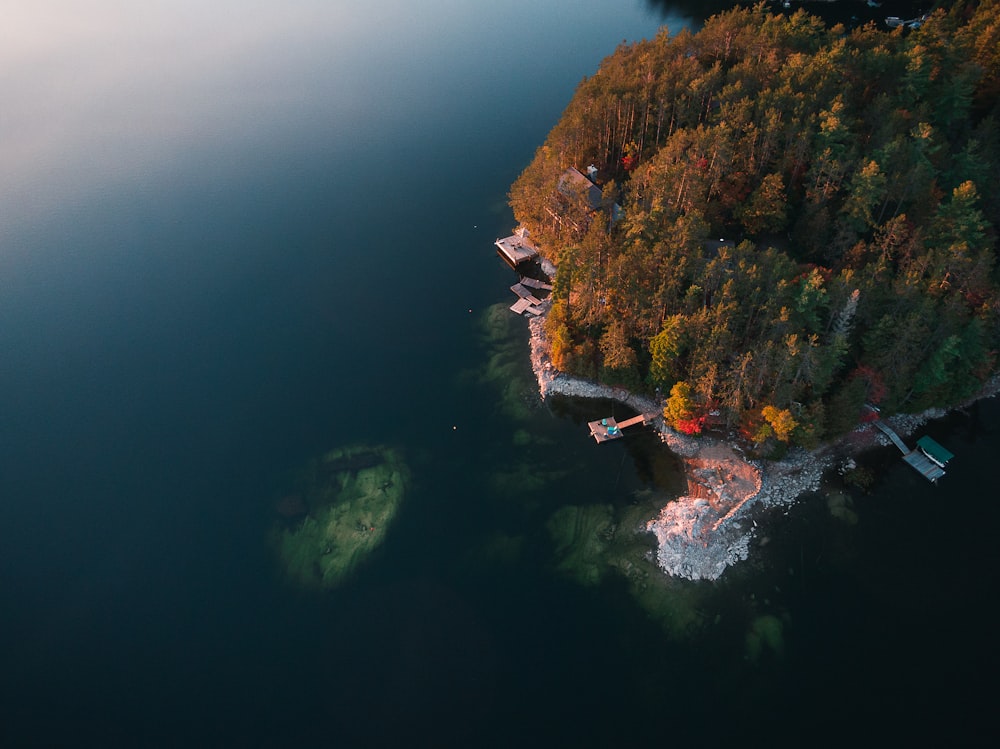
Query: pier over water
column 928, row 458
column 609, row 429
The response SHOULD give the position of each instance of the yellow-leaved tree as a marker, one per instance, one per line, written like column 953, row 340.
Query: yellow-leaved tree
column 781, row 422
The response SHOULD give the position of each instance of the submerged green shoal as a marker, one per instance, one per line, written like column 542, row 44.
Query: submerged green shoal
column 348, row 499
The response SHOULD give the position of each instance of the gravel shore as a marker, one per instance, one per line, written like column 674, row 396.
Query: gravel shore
column 710, row 528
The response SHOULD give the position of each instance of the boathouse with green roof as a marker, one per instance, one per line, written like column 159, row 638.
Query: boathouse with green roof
column 934, row 451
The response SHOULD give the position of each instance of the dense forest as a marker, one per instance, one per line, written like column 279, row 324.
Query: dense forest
column 853, row 176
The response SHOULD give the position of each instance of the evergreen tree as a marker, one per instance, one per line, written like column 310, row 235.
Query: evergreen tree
column 855, row 165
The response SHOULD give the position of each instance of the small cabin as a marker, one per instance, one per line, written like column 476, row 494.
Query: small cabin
column 573, row 182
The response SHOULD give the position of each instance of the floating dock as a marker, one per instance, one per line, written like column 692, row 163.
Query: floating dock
column 928, row 458
column 604, row 430
column 524, row 307
column 523, row 293
column 534, row 283
column 527, row 303
column 924, row 465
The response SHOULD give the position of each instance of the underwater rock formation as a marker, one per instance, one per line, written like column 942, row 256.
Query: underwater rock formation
column 352, row 495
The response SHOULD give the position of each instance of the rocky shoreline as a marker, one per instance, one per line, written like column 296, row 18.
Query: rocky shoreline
column 710, row 528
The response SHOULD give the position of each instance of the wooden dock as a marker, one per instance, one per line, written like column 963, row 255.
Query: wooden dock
column 522, row 291
column 527, row 303
column 888, row 432
column 524, row 307
column 604, row 430
column 927, row 458
column 516, row 249
column 924, row 466
column 534, row 283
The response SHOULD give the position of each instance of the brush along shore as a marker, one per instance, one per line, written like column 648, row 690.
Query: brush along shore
column 712, row 526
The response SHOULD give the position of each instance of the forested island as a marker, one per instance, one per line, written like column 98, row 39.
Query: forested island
column 790, row 221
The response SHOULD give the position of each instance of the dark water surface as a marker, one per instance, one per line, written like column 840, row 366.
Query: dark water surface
column 234, row 238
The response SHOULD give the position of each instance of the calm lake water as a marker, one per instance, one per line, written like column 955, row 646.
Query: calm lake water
column 234, row 236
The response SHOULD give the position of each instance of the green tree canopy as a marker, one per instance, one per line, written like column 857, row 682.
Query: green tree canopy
column 797, row 204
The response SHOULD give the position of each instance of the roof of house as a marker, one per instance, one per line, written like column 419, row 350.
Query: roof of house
column 574, row 181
